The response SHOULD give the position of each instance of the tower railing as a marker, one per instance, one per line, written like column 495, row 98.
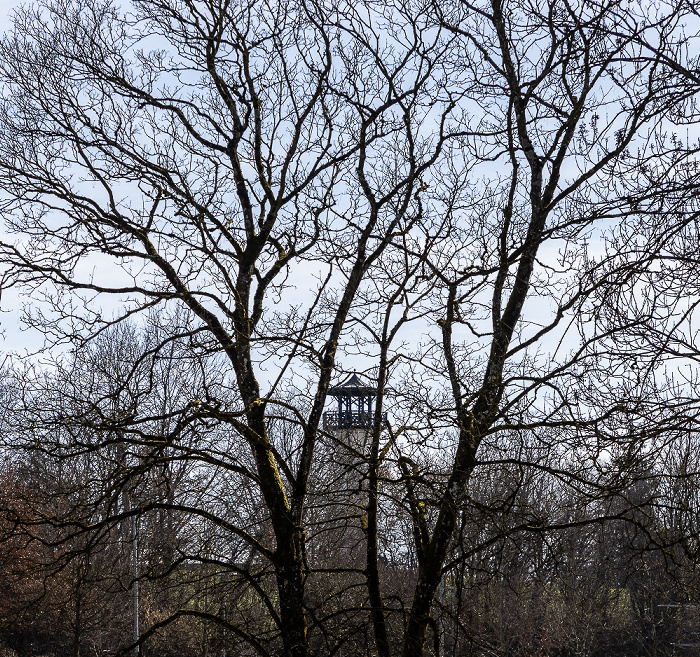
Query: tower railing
column 349, row 420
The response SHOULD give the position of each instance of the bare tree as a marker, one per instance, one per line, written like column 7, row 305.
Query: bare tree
column 199, row 152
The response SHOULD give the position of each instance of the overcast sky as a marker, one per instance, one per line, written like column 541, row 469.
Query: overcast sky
column 10, row 338
column 6, row 6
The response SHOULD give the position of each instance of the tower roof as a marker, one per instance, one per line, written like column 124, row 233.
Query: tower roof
column 354, row 385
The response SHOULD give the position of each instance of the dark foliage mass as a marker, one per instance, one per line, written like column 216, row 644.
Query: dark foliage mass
column 218, row 210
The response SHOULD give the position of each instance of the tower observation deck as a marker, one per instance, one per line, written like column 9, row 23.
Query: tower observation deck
column 355, row 406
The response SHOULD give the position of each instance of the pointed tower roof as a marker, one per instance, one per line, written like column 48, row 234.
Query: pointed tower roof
column 354, row 385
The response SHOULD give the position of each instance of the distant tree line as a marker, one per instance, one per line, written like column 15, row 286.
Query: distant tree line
column 536, row 566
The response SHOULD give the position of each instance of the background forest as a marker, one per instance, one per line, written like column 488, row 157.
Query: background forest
column 216, row 211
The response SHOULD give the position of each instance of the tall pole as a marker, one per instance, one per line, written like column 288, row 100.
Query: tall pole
column 223, row 649
column 135, row 566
